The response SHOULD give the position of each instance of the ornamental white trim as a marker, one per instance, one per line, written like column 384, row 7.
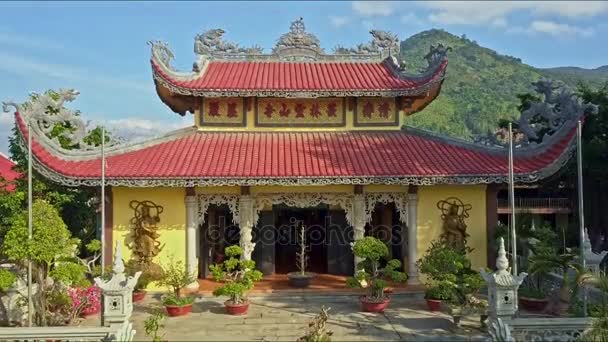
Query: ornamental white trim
column 304, row 200
column 398, row 198
column 205, row 200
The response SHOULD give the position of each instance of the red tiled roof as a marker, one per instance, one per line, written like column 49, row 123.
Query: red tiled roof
column 298, row 76
column 7, row 172
column 265, row 155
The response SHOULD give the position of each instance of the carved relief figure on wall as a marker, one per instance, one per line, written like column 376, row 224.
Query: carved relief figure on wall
column 453, row 213
column 143, row 238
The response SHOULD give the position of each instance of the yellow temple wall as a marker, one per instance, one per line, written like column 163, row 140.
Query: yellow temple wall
column 172, row 223
column 430, row 223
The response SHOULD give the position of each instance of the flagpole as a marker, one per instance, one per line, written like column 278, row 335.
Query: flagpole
column 512, row 200
column 103, row 200
column 30, row 304
column 581, row 212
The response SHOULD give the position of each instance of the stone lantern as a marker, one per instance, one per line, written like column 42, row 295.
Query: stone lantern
column 117, row 292
column 502, row 287
column 592, row 260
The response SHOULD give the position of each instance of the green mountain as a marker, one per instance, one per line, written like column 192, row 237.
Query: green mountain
column 572, row 75
column 481, row 86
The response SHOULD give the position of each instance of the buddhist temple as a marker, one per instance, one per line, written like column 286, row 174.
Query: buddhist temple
column 295, row 135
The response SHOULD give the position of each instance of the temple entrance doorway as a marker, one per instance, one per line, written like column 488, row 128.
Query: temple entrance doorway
column 385, row 225
column 216, row 233
column 328, row 238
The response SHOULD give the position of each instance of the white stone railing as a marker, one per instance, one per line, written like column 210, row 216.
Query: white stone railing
column 123, row 332
column 567, row 329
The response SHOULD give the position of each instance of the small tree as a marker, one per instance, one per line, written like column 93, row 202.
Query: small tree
column 238, row 275
column 153, row 324
column 301, row 255
column 176, row 277
column 370, row 275
column 51, row 241
column 317, row 328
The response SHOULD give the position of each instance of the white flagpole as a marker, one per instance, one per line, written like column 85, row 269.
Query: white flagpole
column 103, row 200
column 512, row 200
column 581, row 212
column 30, row 304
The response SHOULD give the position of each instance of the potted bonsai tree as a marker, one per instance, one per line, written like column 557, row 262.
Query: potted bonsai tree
column 238, row 277
column 148, row 275
column 301, row 279
column 371, row 276
column 176, row 277
column 435, row 293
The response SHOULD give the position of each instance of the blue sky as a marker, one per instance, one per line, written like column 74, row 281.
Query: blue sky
column 100, row 48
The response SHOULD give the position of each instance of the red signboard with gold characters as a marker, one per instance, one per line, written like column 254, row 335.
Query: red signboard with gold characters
column 223, row 112
column 276, row 112
column 376, row 111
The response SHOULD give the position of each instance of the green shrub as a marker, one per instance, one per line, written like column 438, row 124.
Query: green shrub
column 370, row 275
column 439, row 291
column 148, row 275
column 70, row 274
column 238, row 275
column 447, row 264
column 7, row 279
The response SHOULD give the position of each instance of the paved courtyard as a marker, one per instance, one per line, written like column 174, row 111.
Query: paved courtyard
column 285, row 318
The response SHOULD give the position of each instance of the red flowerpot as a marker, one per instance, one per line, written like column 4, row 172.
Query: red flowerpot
column 176, row 310
column 236, row 309
column 374, row 305
column 433, row 304
column 533, row 304
column 138, row 296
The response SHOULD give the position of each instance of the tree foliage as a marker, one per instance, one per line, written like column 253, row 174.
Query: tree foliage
column 73, row 204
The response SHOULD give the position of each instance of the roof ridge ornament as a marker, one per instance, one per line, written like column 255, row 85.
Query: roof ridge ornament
column 554, row 109
column 211, row 43
column 383, row 42
column 297, row 44
column 46, row 110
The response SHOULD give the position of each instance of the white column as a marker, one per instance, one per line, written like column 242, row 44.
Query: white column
column 412, row 238
column 246, row 226
column 359, row 220
column 191, row 238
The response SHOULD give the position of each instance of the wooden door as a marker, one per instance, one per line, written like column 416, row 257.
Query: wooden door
column 339, row 235
column 264, row 238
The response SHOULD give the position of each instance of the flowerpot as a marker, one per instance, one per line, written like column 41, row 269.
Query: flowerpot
column 236, row 309
column 533, row 304
column 371, row 305
column 138, row 296
column 433, row 304
column 299, row 280
column 176, row 310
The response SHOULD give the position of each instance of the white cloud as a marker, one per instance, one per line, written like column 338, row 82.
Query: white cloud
column 557, row 29
column 134, row 128
column 19, row 40
column 410, row 18
column 28, row 67
column 368, row 24
column 374, row 8
column 338, row 21
column 495, row 12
